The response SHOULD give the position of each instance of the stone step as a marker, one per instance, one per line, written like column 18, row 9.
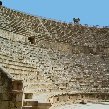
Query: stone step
column 29, row 107
column 44, row 105
column 39, row 106
column 30, row 102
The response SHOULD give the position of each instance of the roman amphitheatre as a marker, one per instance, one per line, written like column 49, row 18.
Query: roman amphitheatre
column 44, row 63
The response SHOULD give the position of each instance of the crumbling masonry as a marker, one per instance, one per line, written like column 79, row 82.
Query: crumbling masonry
column 43, row 62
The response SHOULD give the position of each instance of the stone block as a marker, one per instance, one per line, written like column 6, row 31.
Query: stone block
column 44, row 106
column 12, row 104
column 18, row 104
column 30, row 103
column 5, row 90
column 1, row 82
column 28, row 95
column 0, row 102
column 1, row 89
column 17, row 108
column 17, row 96
column 17, row 85
column 0, row 77
column 1, row 96
column 6, row 96
column 27, row 107
column 4, row 105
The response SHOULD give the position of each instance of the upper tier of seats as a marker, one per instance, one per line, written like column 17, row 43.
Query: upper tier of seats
column 51, row 30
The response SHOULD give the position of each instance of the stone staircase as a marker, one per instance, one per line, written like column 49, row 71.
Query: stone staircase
column 29, row 103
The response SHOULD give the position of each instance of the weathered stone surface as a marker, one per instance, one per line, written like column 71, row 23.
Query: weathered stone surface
column 6, row 91
column 46, row 61
column 4, row 105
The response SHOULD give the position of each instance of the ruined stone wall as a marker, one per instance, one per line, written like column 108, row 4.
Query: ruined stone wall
column 19, row 60
column 10, row 91
column 64, row 57
column 66, row 70
column 12, row 36
column 79, row 97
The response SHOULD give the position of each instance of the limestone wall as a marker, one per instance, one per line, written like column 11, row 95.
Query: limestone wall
column 64, row 58
column 79, row 97
column 12, row 36
column 66, row 70
column 10, row 91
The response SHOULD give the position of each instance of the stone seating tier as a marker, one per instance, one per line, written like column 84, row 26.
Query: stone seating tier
column 53, row 57
column 36, row 64
column 42, row 29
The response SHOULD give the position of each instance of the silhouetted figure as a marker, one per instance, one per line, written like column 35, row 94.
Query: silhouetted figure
column 76, row 21
column 0, row 3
